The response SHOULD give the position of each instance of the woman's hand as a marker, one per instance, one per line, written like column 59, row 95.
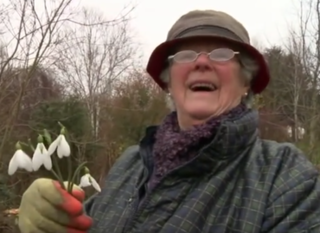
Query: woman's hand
column 47, row 208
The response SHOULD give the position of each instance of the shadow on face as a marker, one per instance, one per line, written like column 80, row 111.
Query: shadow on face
column 205, row 80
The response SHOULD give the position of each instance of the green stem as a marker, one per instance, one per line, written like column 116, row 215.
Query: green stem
column 77, row 179
column 58, row 178
column 77, row 171
column 31, row 146
column 56, row 165
column 69, row 174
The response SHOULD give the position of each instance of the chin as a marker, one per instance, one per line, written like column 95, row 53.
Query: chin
column 200, row 113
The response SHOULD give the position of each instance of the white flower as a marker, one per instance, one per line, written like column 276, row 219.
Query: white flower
column 61, row 145
column 41, row 157
column 87, row 180
column 19, row 160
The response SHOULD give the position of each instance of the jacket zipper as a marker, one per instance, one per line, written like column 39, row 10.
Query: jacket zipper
column 145, row 203
column 136, row 209
column 123, row 218
column 136, row 214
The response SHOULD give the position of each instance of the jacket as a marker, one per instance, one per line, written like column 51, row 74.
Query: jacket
column 238, row 183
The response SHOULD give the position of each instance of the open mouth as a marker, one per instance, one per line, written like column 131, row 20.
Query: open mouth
column 203, row 87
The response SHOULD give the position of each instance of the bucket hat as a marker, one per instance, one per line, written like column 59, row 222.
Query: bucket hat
column 208, row 24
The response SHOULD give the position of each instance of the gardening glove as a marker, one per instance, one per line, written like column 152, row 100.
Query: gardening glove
column 47, row 208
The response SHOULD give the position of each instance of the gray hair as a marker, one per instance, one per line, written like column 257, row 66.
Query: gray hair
column 249, row 69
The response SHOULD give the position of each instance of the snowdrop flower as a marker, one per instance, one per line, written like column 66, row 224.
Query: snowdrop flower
column 41, row 157
column 61, row 145
column 87, row 180
column 19, row 160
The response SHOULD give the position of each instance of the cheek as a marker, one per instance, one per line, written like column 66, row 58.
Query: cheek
column 228, row 77
column 179, row 75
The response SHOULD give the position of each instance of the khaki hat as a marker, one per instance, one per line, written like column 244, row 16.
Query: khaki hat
column 208, row 24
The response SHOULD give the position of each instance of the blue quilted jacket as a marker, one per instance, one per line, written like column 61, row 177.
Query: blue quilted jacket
column 238, row 183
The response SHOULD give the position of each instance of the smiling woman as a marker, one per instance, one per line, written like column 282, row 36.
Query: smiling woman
column 204, row 169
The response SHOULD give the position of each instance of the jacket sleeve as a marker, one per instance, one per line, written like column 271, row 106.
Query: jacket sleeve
column 294, row 202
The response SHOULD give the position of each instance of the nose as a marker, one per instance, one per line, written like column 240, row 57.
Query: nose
column 203, row 63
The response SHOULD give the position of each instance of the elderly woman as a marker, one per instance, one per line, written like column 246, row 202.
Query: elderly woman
column 204, row 169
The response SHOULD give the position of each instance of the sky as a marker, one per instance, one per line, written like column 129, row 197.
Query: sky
column 267, row 21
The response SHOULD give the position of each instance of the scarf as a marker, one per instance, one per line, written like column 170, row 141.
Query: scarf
column 174, row 147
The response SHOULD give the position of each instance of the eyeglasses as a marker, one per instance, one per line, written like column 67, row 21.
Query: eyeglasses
column 216, row 55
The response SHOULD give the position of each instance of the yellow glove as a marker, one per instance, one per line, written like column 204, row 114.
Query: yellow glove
column 47, row 208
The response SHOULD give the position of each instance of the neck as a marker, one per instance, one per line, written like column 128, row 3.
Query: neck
column 187, row 122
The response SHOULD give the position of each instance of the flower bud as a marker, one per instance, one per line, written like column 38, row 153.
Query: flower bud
column 18, row 146
column 86, row 170
column 40, row 138
column 63, row 131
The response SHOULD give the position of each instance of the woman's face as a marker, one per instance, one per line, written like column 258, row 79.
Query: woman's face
column 204, row 88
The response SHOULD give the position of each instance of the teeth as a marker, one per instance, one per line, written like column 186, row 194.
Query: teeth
column 206, row 85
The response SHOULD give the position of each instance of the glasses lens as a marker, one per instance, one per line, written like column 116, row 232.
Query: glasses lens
column 185, row 56
column 221, row 54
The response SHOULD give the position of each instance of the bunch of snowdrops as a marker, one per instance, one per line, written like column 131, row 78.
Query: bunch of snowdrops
column 48, row 158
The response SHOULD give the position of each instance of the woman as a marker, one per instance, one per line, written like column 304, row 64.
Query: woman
column 204, row 169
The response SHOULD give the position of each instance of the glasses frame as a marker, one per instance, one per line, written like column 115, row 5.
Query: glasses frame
column 196, row 55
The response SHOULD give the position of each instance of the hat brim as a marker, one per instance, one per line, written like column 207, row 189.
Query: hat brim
column 159, row 56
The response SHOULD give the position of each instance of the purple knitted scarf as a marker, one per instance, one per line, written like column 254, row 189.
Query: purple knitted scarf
column 174, row 147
